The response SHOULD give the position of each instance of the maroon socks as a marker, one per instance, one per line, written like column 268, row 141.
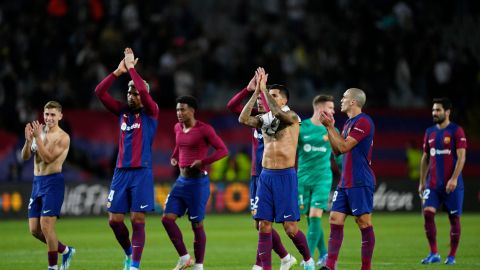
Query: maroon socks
column 454, row 234
column 368, row 244
column 300, row 241
column 199, row 243
column 175, row 235
column 334, row 244
column 431, row 230
column 122, row 235
column 265, row 250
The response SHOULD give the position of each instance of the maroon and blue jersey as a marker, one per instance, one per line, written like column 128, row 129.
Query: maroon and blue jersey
column 356, row 170
column 136, row 134
column 136, row 127
column 441, row 146
column 235, row 105
column 257, row 151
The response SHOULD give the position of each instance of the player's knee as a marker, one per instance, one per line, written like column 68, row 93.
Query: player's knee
column 46, row 223
column 363, row 221
column 265, row 226
column 167, row 219
column 290, row 228
column 454, row 219
column 315, row 212
column 196, row 225
column 138, row 218
column 430, row 210
column 113, row 224
column 46, row 228
column 115, row 218
column 333, row 219
column 429, row 216
column 36, row 232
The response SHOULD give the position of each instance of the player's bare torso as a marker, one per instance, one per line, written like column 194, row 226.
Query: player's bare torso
column 51, row 142
column 281, row 147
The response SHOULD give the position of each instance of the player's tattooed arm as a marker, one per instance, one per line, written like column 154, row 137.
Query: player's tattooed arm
column 246, row 117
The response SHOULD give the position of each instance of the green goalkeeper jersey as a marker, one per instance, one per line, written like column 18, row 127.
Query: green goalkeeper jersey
column 314, row 153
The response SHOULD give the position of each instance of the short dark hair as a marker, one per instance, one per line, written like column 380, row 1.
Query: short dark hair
column 189, row 100
column 322, row 98
column 446, row 102
column 282, row 88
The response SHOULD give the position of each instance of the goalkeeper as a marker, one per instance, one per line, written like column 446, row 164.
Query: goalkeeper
column 315, row 174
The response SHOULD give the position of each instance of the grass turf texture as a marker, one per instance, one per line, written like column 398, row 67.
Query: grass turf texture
column 232, row 241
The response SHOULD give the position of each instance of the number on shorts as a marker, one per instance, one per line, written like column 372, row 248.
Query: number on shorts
column 110, row 195
column 254, row 203
column 426, row 193
column 30, row 203
column 334, row 198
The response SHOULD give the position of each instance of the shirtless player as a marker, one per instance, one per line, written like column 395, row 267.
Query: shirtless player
column 277, row 191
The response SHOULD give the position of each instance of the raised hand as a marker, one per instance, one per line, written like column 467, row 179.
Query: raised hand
column 326, row 119
column 37, row 129
column 253, row 83
column 121, row 69
column 28, row 132
column 130, row 60
column 262, row 78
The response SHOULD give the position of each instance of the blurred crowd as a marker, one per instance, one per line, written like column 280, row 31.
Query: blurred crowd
column 402, row 53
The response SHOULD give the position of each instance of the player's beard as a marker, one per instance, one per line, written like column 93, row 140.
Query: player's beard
column 439, row 119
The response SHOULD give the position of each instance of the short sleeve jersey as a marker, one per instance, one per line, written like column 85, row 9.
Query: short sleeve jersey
column 357, row 170
column 441, row 146
column 314, row 152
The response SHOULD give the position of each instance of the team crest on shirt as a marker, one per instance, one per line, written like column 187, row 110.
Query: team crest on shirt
column 325, row 138
column 446, row 140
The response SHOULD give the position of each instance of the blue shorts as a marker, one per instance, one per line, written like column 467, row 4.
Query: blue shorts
column 354, row 201
column 189, row 195
column 253, row 192
column 277, row 196
column 453, row 201
column 47, row 196
column 131, row 191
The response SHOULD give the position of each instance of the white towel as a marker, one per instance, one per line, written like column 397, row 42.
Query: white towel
column 270, row 124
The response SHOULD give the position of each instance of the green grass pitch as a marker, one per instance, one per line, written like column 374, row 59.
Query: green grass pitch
column 232, row 241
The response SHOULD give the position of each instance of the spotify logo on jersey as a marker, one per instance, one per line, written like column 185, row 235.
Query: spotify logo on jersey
column 307, row 148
